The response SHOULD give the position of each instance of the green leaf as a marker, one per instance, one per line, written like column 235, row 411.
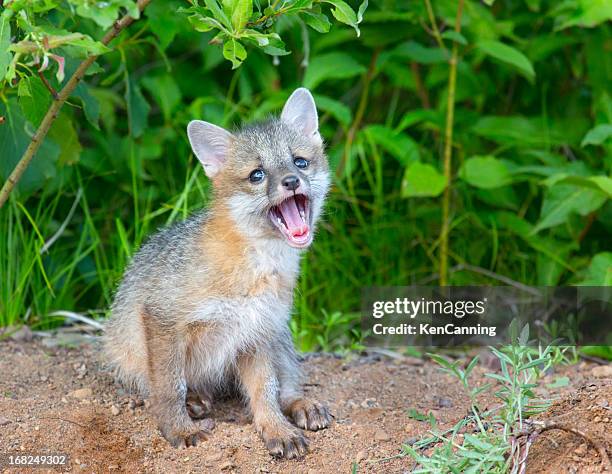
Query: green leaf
column 599, row 272
column 597, row 135
column 337, row 109
column 454, row 36
column 218, row 13
column 234, row 52
column 317, row 21
column 587, row 13
column 297, row 6
column 34, row 99
column 518, row 131
column 240, row 12
column 398, row 144
column 508, row 55
column 91, row 106
column 89, row 45
column 165, row 91
column 413, row 51
column 62, row 131
column 345, row 14
column 601, row 183
column 14, row 140
column 422, row 180
column 562, row 200
column 137, row 107
column 270, row 43
column 164, row 26
column 331, row 66
column 559, row 382
column 485, row 172
column 5, row 40
column 417, row 415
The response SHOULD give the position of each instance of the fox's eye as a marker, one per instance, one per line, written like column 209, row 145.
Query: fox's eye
column 257, row 176
column 301, row 163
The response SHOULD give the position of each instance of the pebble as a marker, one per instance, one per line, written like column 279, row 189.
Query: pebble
column 444, row 402
column 381, row 435
column 226, row 465
column 602, row 371
column 361, row 455
column 115, row 410
column 207, row 424
column 368, row 403
column 581, row 450
column 23, row 334
column 214, row 457
column 597, row 419
column 81, row 393
column 4, row 421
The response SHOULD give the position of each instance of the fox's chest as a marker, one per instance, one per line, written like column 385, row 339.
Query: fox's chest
column 223, row 328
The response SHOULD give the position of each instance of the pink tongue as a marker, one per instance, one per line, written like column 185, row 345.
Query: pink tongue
column 291, row 214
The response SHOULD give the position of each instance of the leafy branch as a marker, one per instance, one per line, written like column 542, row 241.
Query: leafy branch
column 448, row 150
column 58, row 102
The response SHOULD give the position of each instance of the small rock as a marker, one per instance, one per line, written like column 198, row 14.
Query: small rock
column 4, row 421
column 23, row 334
column 597, row 419
column 44, row 378
column 207, row 424
column 603, row 403
column 410, row 441
column 226, row 465
column 444, row 402
column 214, row 457
column 113, row 467
column 602, row 371
column 361, row 455
column 81, row 393
column 368, row 403
column 581, row 450
column 381, row 435
column 115, row 410
column 413, row 361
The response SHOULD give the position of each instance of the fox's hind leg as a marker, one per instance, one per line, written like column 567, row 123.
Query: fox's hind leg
column 168, row 388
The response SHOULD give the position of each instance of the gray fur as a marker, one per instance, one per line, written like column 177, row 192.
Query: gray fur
column 156, row 295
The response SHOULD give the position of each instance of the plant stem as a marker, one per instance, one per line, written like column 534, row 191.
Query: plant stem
column 434, row 27
column 363, row 102
column 57, row 104
column 448, row 150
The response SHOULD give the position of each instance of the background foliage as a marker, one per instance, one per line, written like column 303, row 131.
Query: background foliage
column 532, row 152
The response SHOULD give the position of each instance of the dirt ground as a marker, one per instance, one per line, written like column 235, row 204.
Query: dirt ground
column 60, row 400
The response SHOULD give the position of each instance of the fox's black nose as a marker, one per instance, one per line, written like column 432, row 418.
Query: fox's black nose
column 291, row 182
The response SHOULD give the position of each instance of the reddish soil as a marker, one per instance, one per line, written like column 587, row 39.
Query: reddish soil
column 60, row 400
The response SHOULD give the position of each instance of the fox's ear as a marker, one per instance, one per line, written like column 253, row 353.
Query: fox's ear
column 210, row 144
column 300, row 111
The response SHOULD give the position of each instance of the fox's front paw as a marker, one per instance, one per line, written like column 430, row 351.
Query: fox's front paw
column 283, row 442
column 183, row 436
column 309, row 415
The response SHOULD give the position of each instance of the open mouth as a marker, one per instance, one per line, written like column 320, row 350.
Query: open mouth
column 292, row 218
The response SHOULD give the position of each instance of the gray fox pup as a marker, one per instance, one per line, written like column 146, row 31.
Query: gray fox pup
column 205, row 303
